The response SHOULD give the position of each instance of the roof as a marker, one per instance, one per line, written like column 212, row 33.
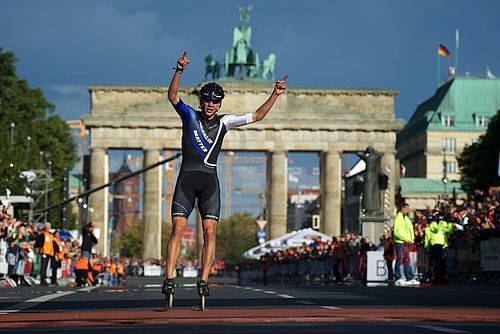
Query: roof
column 427, row 186
column 465, row 98
column 292, row 239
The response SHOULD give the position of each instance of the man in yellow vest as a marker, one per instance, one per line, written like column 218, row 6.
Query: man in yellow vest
column 436, row 243
column 403, row 236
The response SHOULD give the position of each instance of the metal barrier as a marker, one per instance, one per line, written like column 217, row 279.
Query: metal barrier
column 468, row 261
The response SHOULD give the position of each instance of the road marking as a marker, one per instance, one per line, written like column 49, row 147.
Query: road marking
column 440, row 329
column 270, row 292
column 86, row 289
column 35, row 301
column 286, row 296
column 305, row 302
column 152, row 286
column 331, row 307
column 257, row 290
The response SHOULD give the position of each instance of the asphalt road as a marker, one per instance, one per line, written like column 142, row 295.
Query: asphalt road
column 138, row 308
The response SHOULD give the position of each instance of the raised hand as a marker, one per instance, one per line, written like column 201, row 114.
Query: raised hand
column 183, row 61
column 280, row 85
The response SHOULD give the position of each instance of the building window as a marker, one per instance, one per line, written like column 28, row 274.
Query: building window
column 482, row 121
column 448, row 121
column 473, row 141
column 449, row 145
column 450, row 166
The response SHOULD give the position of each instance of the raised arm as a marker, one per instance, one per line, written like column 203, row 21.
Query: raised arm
column 261, row 112
column 173, row 89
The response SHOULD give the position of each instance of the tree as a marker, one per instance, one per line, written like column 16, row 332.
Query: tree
column 235, row 235
column 31, row 126
column 129, row 243
column 479, row 162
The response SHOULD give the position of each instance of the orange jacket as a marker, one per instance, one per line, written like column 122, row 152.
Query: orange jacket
column 121, row 270
column 48, row 247
column 60, row 254
column 97, row 267
column 82, row 264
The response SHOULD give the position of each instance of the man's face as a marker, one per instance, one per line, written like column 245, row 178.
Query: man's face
column 210, row 108
column 405, row 209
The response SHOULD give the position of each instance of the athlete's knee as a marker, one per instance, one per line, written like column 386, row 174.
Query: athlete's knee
column 178, row 230
column 209, row 232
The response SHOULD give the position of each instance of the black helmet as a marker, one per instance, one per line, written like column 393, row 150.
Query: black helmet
column 212, row 92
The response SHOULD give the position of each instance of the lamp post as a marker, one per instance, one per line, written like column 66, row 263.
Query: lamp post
column 445, row 173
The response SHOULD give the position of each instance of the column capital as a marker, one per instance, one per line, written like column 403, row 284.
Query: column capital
column 330, row 151
column 277, row 151
column 98, row 149
column 152, row 149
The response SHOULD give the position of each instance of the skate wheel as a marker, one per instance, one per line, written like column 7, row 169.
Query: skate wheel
column 169, row 302
column 202, row 303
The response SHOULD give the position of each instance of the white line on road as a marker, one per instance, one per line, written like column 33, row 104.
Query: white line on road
column 86, row 289
column 35, row 301
column 286, row 296
column 331, row 307
column 305, row 302
column 270, row 292
column 440, row 329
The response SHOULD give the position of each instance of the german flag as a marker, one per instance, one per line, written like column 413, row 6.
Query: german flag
column 443, row 51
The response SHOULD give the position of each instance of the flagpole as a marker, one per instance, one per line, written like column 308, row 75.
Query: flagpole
column 438, row 67
column 457, row 38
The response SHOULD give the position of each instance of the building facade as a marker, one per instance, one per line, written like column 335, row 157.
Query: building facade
column 454, row 117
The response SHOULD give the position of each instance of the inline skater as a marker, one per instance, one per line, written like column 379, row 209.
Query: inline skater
column 202, row 135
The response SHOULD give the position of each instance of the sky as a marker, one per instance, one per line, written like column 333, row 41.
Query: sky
column 65, row 46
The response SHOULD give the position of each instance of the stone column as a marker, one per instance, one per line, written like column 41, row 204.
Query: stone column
column 330, row 186
column 152, row 206
column 277, row 171
column 390, row 167
column 98, row 204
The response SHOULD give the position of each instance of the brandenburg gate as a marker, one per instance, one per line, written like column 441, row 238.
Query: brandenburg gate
column 326, row 121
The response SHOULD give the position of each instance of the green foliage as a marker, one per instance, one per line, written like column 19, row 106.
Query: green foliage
column 235, row 235
column 479, row 161
column 33, row 117
column 130, row 242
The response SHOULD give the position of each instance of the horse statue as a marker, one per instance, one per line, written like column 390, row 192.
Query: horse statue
column 268, row 66
column 211, row 67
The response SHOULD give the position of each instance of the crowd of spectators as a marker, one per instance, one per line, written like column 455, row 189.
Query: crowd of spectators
column 474, row 218
column 36, row 254
column 342, row 259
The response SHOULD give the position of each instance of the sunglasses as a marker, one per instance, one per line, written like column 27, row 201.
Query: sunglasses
column 214, row 99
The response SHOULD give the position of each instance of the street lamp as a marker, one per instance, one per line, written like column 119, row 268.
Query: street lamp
column 445, row 173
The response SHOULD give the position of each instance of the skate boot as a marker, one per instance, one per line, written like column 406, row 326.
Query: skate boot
column 203, row 292
column 168, row 290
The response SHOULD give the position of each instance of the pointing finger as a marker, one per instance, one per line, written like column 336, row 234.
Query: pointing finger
column 184, row 54
column 285, row 77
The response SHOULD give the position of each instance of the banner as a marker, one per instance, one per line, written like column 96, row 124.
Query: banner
column 4, row 266
column 376, row 267
column 152, row 270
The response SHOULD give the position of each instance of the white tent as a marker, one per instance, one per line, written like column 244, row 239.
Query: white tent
column 292, row 239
